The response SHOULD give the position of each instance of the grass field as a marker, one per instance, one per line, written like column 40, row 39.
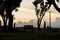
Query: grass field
column 29, row 35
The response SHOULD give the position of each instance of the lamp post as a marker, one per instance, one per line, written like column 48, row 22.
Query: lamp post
column 50, row 19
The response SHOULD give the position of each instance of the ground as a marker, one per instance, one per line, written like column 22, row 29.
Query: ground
column 29, row 35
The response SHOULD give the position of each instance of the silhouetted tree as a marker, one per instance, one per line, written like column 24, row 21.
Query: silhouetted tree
column 2, row 10
column 35, row 3
column 11, row 5
column 8, row 6
column 41, row 12
column 44, row 8
column 55, row 5
column 53, row 2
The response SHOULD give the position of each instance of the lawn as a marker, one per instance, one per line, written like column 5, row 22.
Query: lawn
column 29, row 35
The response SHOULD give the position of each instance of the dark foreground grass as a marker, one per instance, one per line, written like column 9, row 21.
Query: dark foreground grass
column 29, row 35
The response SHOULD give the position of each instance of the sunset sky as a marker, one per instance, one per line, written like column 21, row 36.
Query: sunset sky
column 27, row 12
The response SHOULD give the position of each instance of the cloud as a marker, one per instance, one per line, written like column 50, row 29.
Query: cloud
column 26, row 11
column 56, row 23
column 19, row 24
column 31, row 22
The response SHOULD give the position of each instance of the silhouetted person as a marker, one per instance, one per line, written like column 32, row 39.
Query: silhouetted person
column 44, row 24
column 14, row 25
column 0, row 23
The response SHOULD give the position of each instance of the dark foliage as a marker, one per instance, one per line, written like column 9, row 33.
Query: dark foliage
column 8, row 6
column 44, row 8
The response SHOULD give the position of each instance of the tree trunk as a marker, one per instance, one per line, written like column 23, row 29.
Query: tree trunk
column 10, row 23
column 38, row 24
column 10, row 19
column 4, row 22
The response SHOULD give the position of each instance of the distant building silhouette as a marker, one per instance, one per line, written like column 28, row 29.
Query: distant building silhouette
column 28, row 27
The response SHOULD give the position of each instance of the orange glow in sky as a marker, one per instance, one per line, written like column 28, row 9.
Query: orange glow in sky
column 27, row 12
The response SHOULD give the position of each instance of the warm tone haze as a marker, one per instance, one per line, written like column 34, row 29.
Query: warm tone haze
column 26, row 15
